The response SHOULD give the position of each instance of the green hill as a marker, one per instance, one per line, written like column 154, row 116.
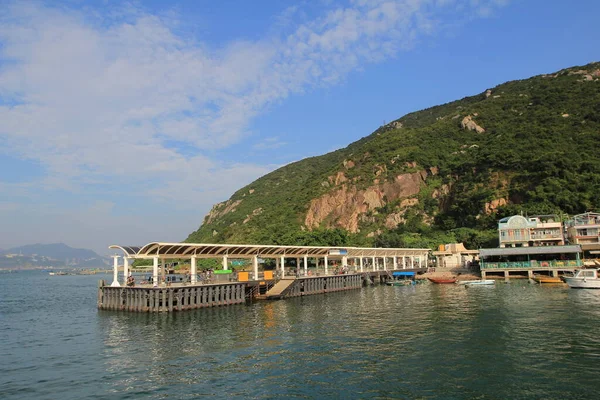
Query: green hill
column 435, row 176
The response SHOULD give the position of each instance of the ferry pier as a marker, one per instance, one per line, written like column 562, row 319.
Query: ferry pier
column 334, row 269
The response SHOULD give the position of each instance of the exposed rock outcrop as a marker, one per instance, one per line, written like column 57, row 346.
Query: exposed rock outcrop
column 586, row 75
column 339, row 178
column 468, row 123
column 255, row 212
column 221, row 209
column 493, row 205
column 344, row 206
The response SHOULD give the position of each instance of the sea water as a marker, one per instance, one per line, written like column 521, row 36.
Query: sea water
column 508, row 341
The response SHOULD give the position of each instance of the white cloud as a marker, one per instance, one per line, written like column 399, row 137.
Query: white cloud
column 269, row 143
column 99, row 96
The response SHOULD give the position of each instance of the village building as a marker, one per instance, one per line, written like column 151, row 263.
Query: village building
column 537, row 230
column 454, row 255
column 584, row 230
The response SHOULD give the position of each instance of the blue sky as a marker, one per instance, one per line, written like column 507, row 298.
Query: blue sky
column 125, row 122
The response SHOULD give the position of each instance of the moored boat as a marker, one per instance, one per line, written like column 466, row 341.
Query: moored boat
column 547, row 279
column 584, row 279
column 403, row 278
column 401, row 283
column 478, row 282
column 442, row 280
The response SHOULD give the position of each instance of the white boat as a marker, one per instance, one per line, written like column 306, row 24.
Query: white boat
column 584, row 279
column 477, row 282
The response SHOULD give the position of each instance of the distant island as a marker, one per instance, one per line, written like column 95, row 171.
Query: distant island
column 51, row 256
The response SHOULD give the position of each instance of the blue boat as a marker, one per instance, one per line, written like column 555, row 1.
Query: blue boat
column 402, row 278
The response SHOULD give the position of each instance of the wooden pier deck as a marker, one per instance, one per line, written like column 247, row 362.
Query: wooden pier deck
column 182, row 296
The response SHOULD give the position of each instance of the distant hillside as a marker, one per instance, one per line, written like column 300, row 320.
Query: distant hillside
column 443, row 174
column 55, row 255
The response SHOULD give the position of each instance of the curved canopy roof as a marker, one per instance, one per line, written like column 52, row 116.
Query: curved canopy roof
column 130, row 251
column 203, row 250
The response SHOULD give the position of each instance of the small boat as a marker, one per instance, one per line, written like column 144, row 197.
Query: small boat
column 584, row 279
column 440, row 281
column 478, row 282
column 405, row 282
column 547, row 279
column 404, row 278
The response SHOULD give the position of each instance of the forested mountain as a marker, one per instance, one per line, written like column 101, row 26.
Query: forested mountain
column 439, row 175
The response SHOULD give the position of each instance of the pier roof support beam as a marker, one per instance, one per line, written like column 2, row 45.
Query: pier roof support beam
column 255, row 266
column 155, row 272
column 326, row 264
column 125, row 269
column 115, row 282
column 193, row 274
column 305, row 264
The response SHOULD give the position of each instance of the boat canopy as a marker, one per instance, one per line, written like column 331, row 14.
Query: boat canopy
column 403, row 273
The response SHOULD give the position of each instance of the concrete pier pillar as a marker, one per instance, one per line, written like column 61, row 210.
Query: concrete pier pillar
column 163, row 270
column 125, row 269
column 483, row 274
column 412, row 261
column 361, row 264
column 305, row 265
column 420, row 262
column 403, row 262
column 224, row 263
column 395, row 259
column 374, row 260
column 193, row 270
column 345, row 261
column 155, row 272
column 385, row 263
column 255, row 267
column 325, row 263
column 115, row 282
column 555, row 273
column 282, row 265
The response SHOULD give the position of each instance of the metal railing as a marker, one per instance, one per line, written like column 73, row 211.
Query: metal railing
column 532, row 264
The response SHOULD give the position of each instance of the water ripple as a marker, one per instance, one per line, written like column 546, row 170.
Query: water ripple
column 424, row 342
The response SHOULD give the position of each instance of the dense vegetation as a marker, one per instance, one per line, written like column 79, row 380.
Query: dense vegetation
column 540, row 154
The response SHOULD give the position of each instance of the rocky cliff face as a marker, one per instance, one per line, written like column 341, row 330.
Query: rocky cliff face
column 344, row 206
column 220, row 210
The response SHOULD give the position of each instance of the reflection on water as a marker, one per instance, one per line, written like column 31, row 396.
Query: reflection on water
column 426, row 341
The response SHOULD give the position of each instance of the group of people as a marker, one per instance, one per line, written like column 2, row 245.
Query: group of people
column 341, row 271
